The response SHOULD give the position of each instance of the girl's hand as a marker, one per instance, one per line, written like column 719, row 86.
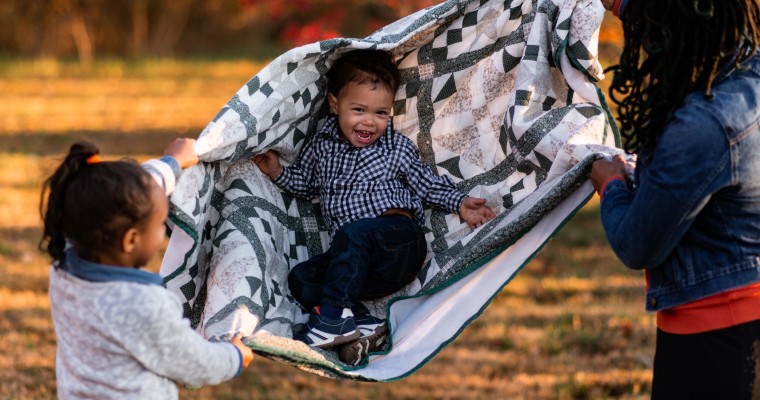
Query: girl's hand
column 475, row 212
column 244, row 350
column 269, row 164
column 182, row 149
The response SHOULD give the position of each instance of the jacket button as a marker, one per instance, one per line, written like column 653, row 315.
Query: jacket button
column 652, row 302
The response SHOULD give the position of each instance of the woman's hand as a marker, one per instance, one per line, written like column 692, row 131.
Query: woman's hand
column 603, row 169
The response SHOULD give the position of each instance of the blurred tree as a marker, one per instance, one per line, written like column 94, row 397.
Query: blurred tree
column 165, row 28
column 298, row 22
column 83, row 28
column 79, row 31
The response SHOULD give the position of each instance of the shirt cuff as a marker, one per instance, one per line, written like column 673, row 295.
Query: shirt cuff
column 457, row 200
column 608, row 180
column 619, row 7
column 162, row 173
column 173, row 164
column 240, row 361
column 283, row 179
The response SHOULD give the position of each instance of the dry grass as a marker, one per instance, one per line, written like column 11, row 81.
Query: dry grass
column 570, row 326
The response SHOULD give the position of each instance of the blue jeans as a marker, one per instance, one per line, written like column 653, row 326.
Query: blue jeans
column 368, row 259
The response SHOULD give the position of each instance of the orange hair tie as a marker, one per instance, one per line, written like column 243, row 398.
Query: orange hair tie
column 94, row 159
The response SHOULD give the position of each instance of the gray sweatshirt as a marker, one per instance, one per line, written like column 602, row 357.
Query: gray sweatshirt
column 121, row 334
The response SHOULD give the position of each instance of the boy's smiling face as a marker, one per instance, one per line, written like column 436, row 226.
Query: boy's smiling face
column 363, row 111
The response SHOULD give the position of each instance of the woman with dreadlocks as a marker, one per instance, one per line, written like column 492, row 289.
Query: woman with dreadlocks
column 688, row 96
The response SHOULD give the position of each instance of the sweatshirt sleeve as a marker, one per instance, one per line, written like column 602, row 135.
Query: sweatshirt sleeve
column 165, row 171
column 151, row 328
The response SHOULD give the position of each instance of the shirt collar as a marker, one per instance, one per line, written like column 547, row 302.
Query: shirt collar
column 332, row 130
column 94, row 272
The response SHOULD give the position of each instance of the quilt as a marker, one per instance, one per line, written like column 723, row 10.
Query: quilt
column 499, row 95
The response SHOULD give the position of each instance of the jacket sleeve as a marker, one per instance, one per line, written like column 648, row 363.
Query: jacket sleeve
column 689, row 165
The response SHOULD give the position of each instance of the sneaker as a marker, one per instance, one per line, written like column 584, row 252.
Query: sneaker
column 369, row 325
column 353, row 353
column 322, row 331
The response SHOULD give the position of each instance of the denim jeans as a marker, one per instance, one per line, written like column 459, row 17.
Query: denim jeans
column 367, row 259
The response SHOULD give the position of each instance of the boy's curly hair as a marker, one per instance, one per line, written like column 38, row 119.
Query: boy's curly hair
column 363, row 66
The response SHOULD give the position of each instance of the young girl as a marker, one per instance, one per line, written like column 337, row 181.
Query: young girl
column 120, row 333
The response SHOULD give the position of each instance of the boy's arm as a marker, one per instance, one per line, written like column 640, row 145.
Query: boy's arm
column 178, row 155
column 441, row 191
column 436, row 190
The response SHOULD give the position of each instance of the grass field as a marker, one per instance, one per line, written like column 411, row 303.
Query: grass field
column 571, row 325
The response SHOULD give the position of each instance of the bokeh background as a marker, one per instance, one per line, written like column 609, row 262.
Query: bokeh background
column 133, row 75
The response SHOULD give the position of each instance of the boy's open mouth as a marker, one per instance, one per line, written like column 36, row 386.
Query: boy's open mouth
column 363, row 136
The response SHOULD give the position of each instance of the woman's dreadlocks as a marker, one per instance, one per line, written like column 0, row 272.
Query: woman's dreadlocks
column 673, row 48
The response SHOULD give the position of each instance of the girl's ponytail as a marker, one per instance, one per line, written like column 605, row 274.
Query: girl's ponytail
column 91, row 204
column 54, row 188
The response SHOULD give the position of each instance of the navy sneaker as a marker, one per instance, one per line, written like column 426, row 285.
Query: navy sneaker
column 322, row 331
column 369, row 325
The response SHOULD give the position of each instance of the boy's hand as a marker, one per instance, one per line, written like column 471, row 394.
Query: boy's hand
column 269, row 164
column 182, row 150
column 475, row 212
column 244, row 350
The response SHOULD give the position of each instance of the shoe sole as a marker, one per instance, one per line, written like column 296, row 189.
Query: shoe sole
column 336, row 340
column 354, row 353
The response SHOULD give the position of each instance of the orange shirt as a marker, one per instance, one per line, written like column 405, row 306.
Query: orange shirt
column 718, row 311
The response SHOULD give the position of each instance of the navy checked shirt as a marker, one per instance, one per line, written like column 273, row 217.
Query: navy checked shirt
column 354, row 183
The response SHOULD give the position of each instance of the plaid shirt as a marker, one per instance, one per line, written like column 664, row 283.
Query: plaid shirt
column 354, row 183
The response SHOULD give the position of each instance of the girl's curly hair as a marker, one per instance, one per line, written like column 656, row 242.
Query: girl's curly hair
column 673, row 48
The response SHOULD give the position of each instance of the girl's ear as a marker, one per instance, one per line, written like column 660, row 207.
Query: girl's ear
column 333, row 103
column 129, row 240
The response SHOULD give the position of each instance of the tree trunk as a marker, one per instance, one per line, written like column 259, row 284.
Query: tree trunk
column 169, row 26
column 79, row 34
column 139, row 27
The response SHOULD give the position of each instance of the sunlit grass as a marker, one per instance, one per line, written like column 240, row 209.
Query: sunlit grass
column 61, row 98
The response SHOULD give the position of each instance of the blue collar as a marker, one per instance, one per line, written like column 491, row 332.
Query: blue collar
column 93, row 272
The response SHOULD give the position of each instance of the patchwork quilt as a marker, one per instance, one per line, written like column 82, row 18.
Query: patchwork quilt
column 498, row 95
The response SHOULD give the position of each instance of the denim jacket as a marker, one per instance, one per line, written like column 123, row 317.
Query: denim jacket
column 694, row 219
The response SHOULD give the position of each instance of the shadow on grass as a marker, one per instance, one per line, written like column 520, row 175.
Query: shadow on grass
column 143, row 142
